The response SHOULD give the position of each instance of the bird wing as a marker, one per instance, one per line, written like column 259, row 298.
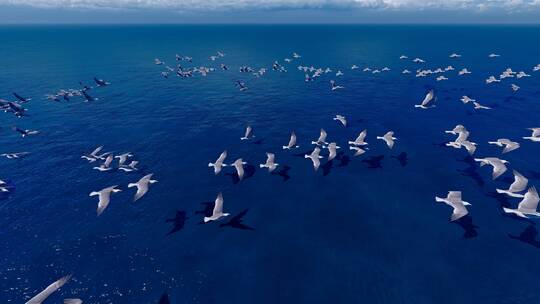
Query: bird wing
column 222, row 157
column 270, row 158
column 292, row 141
column 40, row 297
column 96, row 150
column 498, row 168
column 361, row 136
column 218, row 205
column 428, row 98
column 248, row 131
column 530, row 201
column 322, row 136
column 454, row 196
column 519, row 184
column 108, row 161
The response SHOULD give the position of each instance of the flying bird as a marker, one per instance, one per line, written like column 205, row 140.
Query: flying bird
column 106, row 166
column 142, row 186
column 239, row 166
column 507, row 143
column 528, row 204
column 428, row 101
column 217, row 213
column 270, row 163
column 519, row 184
column 248, row 134
column 321, row 140
column 292, row 142
column 315, row 157
column 499, row 165
column 332, row 147
column 341, row 119
column 104, row 196
column 453, row 199
column 219, row 162
column 360, row 140
column 388, row 138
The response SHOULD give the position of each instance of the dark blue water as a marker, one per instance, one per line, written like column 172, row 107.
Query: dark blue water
column 348, row 233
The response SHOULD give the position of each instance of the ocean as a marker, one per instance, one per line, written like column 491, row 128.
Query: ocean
column 362, row 229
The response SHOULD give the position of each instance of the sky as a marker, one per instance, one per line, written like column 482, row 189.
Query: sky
column 269, row 11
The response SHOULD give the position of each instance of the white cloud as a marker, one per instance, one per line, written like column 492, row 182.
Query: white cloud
column 198, row 5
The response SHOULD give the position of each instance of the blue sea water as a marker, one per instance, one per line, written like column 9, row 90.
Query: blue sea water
column 359, row 230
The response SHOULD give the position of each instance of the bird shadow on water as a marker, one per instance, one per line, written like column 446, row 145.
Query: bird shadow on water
column 528, row 236
column 469, row 228
column 208, row 209
column 164, row 299
column 402, row 158
column 374, row 162
column 178, row 222
column 236, row 222
column 344, row 159
column 283, row 172
column 259, row 141
column 249, row 171
column 327, row 167
column 472, row 170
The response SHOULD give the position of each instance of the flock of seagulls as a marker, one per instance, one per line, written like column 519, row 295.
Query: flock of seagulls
column 108, row 161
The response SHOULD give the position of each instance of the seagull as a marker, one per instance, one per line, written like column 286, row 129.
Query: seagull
column 339, row 73
column 130, row 167
column 270, row 164
column 26, row 132
column 158, row 62
column 418, row 60
column 499, row 165
column 466, row 99
column 454, row 55
column 427, row 102
column 248, row 134
column 332, row 147
column 43, row 295
column 341, row 119
column 315, row 157
column 457, row 129
column 403, row 57
column 507, row 143
column 321, row 140
column 536, row 68
column 142, row 185
column 528, row 204
column 441, row 78
column 464, row 72
column 101, row 82
column 219, row 162
column 73, row 301
column 478, row 106
column 239, row 166
column 87, row 97
column 334, row 86
column 492, row 55
column 217, row 213
column 519, row 184
column 453, row 199
column 515, row 88
column 106, row 166
column 122, row 158
column 535, row 136
column 360, row 140
column 492, row 79
column 14, row 155
column 241, row 85
column 292, row 142
column 406, row 72
column 359, row 151
column 388, row 138
column 93, row 156
column 104, row 196
column 296, row 56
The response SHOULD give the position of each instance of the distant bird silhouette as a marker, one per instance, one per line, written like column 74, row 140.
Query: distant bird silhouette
column 528, row 236
column 402, row 158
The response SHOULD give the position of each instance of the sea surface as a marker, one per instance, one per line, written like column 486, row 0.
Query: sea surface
column 361, row 229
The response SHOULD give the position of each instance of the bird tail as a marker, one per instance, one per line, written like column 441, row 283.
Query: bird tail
column 438, row 199
column 206, row 219
column 286, row 148
column 243, row 138
column 130, row 185
column 211, row 165
column 261, row 166
column 306, row 156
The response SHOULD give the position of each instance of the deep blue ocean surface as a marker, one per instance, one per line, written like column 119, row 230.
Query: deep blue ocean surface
column 359, row 230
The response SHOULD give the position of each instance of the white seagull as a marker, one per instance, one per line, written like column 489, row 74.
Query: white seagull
column 507, row 143
column 499, row 165
column 239, row 166
column 104, row 196
column 359, row 151
column 142, row 186
column 478, row 106
column 466, row 99
column 130, row 167
column 270, row 163
column 332, row 147
column 73, row 301
column 106, row 166
column 453, row 199
column 360, row 140
column 217, row 213
column 341, row 119
column 292, row 142
column 248, row 134
column 428, row 101
column 322, row 138
column 519, row 184
column 388, row 138
column 93, row 156
column 528, row 204
column 535, row 136
column 315, row 157
column 219, row 162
